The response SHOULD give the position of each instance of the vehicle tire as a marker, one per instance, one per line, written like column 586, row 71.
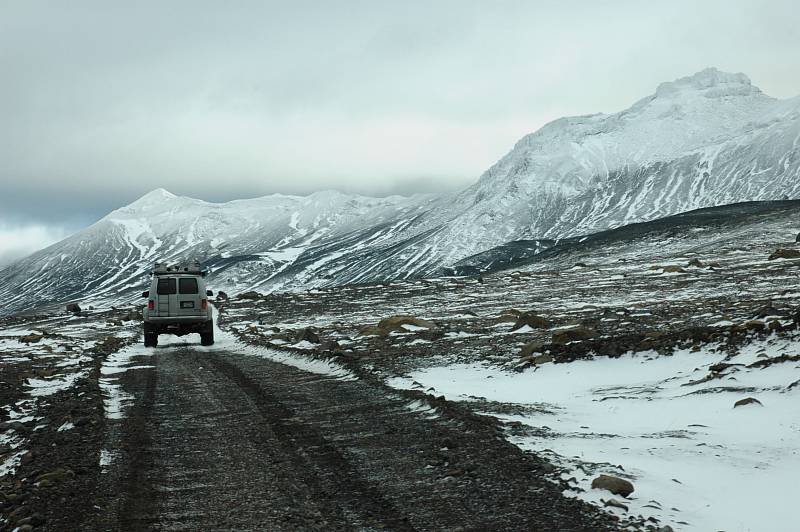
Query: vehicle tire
column 150, row 339
column 150, row 336
column 207, row 336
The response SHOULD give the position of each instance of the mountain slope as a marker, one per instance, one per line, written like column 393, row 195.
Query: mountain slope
column 706, row 140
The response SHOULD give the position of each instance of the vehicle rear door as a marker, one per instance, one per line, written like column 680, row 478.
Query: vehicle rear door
column 167, row 294
column 189, row 298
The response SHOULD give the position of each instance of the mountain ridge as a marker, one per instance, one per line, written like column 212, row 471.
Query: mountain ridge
column 704, row 140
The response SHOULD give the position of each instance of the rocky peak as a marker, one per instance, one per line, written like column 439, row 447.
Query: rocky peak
column 711, row 81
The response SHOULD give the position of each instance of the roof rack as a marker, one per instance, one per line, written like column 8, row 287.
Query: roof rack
column 191, row 268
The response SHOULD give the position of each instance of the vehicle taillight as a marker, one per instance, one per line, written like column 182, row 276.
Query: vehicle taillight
column 151, row 305
column 204, row 304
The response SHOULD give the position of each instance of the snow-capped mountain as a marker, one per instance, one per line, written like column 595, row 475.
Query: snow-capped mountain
column 705, row 140
column 246, row 242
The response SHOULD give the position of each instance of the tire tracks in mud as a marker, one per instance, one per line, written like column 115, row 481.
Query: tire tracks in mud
column 326, row 472
column 218, row 441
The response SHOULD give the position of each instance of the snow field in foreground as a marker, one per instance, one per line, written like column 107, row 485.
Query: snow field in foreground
column 695, row 461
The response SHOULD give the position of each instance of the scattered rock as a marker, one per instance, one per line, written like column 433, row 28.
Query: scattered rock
column 797, row 239
column 13, row 425
column 396, row 323
column 784, row 253
column 249, row 295
column 615, row 504
column 31, row 521
column 133, row 315
column 754, row 325
column 616, row 485
column 309, row 335
column 747, row 401
column 774, row 325
column 31, row 338
column 57, row 475
column 74, row 308
column 372, row 330
column 530, row 348
column 574, row 334
column 768, row 310
column 81, row 421
column 508, row 316
column 673, row 269
column 696, row 263
column 543, row 359
column 531, row 320
column 580, row 265
column 222, row 295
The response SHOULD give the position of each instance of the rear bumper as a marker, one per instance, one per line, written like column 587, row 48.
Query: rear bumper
column 178, row 325
column 166, row 320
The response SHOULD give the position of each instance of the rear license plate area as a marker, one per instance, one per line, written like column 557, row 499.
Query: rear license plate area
column 187, row 304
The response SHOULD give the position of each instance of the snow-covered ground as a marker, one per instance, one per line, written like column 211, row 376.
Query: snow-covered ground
column 697, row 463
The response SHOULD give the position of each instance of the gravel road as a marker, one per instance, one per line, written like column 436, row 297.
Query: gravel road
column 219, row 440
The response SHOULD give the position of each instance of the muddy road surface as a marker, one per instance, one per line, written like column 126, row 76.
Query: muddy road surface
column 218, row 439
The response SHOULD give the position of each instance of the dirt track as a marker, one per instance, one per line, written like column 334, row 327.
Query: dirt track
column 218, row 441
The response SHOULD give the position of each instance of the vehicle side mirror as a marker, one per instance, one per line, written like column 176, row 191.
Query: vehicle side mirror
column 146, row 293
column 209, row 293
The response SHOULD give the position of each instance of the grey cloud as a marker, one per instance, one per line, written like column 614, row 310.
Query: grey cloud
column 102, row 102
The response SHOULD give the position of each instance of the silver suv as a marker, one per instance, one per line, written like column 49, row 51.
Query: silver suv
column 177, row 304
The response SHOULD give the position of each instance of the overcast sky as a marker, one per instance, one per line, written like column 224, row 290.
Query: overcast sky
column 103, row 101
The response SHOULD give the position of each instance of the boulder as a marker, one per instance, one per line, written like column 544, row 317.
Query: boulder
column 531, row 320
column 530, row 348
column 768, row 310
column 543, row 359
column 775, row 325
column 785, row 254
column 133, row 315
column 309, row 335
column 695, row 263
column 249, row 295
column 372, row 330
column 31, row 338
column 73, row 308
column 797, row 239
column 57, row 475
column 616, row 485
column 402, row 323
column 747, row 401
column 508, row 316
column 615, row 504
column 397, row 323
column 754, row 325
column 574, row 334
column 673, row 269
column 14, row 425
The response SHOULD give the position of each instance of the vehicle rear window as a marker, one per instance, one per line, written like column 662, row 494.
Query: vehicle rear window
column 166, row 286
column 187, row 286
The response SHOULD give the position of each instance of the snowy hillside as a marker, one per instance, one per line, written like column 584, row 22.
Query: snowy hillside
column 245, row 242
column 705, row 140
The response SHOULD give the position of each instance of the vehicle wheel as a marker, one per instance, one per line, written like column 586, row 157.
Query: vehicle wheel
column 150, row 336
column 150, row 339
column 207, row 336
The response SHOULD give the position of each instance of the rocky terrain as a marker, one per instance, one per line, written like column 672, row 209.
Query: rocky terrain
column 100, row 433
column 629, row 380
column 666, row 354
